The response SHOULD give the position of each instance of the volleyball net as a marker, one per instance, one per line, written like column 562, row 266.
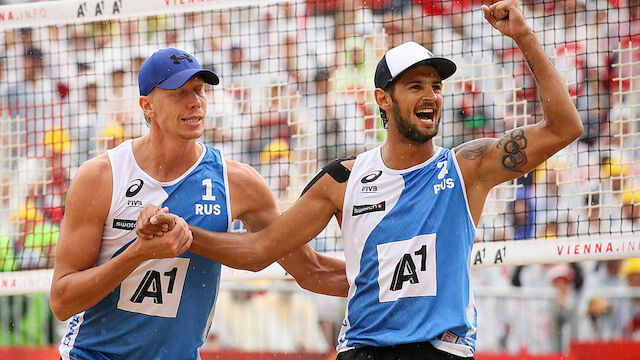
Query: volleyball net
column 296, row 91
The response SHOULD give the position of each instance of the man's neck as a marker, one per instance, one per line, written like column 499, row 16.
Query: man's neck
column 165, row 159
column 402, row 154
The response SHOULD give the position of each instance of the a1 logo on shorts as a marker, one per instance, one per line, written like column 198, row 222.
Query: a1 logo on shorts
column 155, row 287
column 407, row 268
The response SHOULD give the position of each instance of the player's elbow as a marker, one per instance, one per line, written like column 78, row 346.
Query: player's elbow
column 575, row 130
column 256, row 266
column 257, row 261
column 566, row 132
column 57, row 308
column 579, row 129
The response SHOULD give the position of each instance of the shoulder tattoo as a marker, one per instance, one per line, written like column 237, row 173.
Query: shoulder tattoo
column 513, row 157
column 474, row 149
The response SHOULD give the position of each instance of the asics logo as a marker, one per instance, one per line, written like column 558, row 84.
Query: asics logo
column 134, row 188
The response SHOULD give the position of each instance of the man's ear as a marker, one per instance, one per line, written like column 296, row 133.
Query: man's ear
column 383, row 99
column 146, row 104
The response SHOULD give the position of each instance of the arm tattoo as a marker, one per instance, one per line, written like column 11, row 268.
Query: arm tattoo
column 530, row 65
column 513, row 157
column 533, row 70
column 474, row 149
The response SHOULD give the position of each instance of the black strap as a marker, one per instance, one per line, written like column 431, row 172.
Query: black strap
column 335, row 169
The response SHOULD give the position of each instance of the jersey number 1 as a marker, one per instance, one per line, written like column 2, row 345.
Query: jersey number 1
column 208, row 190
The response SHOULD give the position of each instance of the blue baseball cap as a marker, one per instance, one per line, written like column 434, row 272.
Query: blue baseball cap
column 170, row 69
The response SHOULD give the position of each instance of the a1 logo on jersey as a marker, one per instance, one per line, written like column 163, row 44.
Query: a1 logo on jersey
column 407, row 268
column 443, row 182
column 155, row 287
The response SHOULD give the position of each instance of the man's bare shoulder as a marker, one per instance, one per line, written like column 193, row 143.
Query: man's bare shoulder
column 331, row 182
column 242, row 174
column 348, row 163
column 97, row 168
column 472, row 150
column 92, row 184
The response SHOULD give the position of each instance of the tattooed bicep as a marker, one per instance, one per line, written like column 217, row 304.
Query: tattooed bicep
column 474, row 149
column 512, row 145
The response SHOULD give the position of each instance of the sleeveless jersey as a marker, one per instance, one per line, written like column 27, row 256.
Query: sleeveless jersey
column 164, row 308
column 408, row 236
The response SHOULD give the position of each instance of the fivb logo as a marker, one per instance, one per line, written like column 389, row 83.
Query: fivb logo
column 407, row 268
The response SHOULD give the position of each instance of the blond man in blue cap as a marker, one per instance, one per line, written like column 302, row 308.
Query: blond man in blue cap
column 153, row 298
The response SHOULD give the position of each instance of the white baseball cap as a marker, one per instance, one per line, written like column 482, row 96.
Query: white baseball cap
column 406, row 56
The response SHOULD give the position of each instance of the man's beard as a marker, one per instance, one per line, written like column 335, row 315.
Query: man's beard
column 409, row 130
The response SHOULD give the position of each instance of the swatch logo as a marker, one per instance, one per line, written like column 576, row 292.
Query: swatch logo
column 363, row 209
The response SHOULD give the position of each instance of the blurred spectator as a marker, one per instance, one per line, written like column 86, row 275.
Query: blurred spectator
column 339, row 123
column 281, row 320
column 353, row 79
column 56, row 51
column 631, row 272
column 550, row 184
column 474, row 113
column 297, row 313
column 7, row 255
column 295, row 64
column 276, row 166
column 523, row 212
column 32, row 102
column 275, row 118
column 39, row 246
column 122, row 106
column 218, row 43
column 604, row 313
column 593, row 108
column 80, row 49
column 238, row 69
column 407, row 24
column 51, row 199
column 564, row 313
column 110, row 136
column 226, row 126
column 87, row 115
column 631, row 210
column 592, row 222
column 239, row 307
column 191, row 29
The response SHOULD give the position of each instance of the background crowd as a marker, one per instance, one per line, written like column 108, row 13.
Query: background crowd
column 296, row 92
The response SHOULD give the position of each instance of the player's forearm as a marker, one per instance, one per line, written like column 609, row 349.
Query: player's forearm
column 238, row 251
column 329, row 279
column 76, row 292
column 560, row 114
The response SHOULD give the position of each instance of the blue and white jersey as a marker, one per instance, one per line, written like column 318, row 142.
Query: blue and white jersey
column 408, row 236
column 164, row 308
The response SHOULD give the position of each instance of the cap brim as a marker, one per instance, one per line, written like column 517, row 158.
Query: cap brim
column 178, row 79
column 444, row 67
